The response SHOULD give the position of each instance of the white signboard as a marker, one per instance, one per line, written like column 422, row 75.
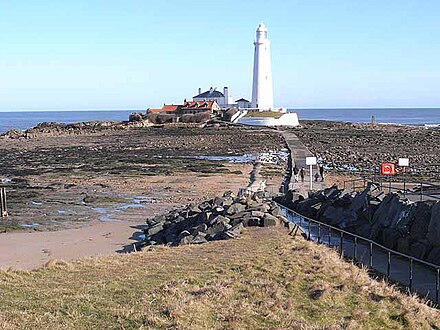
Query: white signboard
column 404, row 162
column 310, row 160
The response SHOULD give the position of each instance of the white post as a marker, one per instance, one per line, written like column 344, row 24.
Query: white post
column 311, row 177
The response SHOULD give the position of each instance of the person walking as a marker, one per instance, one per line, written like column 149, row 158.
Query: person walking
column 321, row 172
column 301, row 174
column 295, row 174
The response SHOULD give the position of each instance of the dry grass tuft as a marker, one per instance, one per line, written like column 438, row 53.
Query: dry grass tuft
column 264, row 280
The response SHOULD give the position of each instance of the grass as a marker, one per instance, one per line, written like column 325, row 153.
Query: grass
column 263, row 280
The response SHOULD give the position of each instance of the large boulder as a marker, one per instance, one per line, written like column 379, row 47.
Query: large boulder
column 433, row 235
column 392, row 213
column 420, row 217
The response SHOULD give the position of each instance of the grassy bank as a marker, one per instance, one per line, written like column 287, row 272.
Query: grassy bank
column 264, row 280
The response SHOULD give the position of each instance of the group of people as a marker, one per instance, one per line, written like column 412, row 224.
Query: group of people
column 300, row 173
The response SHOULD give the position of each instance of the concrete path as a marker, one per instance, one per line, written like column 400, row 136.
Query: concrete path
column 299, row 152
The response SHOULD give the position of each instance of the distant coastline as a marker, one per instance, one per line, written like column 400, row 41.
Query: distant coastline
column 25, row 119
column 403, row 116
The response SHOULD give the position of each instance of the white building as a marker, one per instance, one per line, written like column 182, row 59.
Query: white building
column 223, row 99
column 243, row 103
column 262, row 88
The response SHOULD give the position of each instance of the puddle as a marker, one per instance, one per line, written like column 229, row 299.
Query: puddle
column 271, row 157
column 30, row 225
column 61, row 212
column 108, row 218
column 101, row 210
column 130, row 206
column 5, row 180
column 36, row 203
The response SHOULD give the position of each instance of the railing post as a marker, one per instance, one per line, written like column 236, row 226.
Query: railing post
column 352, row 186
column 410, row 274
column 421, row 191
column 329, row 236
column 389, row 264
column 308, row 235
column 437, row 285
column 319, row 233
column 389, row 186
column 371, row 255
column 354, row 249
column 342, row 251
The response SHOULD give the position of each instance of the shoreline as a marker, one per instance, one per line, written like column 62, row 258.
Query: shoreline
column 89, row 192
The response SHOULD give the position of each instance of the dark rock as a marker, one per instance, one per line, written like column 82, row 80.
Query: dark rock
column 390, row 237
column 258, row 214
column 184, row 233
column 403, row 244
column 251, row 222
column 269, row 220
column 218, row 201
column 235, row 208
column 418, row 250
column 155, row 229
column 434, row 256
column 420, row 217
column 205, row 206
column 434, row 225
column 199, row 239
column 200, row 228
column 186, row 240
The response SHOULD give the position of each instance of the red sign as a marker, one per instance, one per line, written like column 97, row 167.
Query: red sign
column 388, row 169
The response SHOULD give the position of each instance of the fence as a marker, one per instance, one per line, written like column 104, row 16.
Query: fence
column 3, row 206
column 415, row 274
column 414, row 188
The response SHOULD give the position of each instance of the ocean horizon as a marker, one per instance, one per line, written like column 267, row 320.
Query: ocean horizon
column 25, row 119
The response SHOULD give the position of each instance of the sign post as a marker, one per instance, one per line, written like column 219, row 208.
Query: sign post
column 404, row 162
column 311, row 161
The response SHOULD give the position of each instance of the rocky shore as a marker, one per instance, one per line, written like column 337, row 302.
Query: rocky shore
column 68, row 175
column 361, row 148
column 412, row 228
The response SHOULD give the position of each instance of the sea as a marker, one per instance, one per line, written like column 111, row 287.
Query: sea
column 429, row 117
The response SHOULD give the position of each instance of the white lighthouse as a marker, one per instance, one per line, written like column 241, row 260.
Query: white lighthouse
column 262, row 89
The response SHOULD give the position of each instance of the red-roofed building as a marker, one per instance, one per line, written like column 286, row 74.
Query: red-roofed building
column 193, row 107
column 169, row 109
column 188, row 107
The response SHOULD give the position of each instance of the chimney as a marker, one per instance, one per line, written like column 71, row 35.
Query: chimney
column 210, row 90
column 200, row 91
column 226, row 94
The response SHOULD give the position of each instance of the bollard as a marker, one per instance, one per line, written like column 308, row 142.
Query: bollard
column 410, row 274
column 371, row 255
column 329, row 236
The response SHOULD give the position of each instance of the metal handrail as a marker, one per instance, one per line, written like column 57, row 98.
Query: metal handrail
column 360, row 237
column 372, row 243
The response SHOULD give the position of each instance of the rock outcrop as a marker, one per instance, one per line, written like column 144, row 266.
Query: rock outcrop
column 409, row 227
column 220, row 218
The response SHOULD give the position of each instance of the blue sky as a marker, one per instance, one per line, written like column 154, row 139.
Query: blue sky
column 135, row 54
